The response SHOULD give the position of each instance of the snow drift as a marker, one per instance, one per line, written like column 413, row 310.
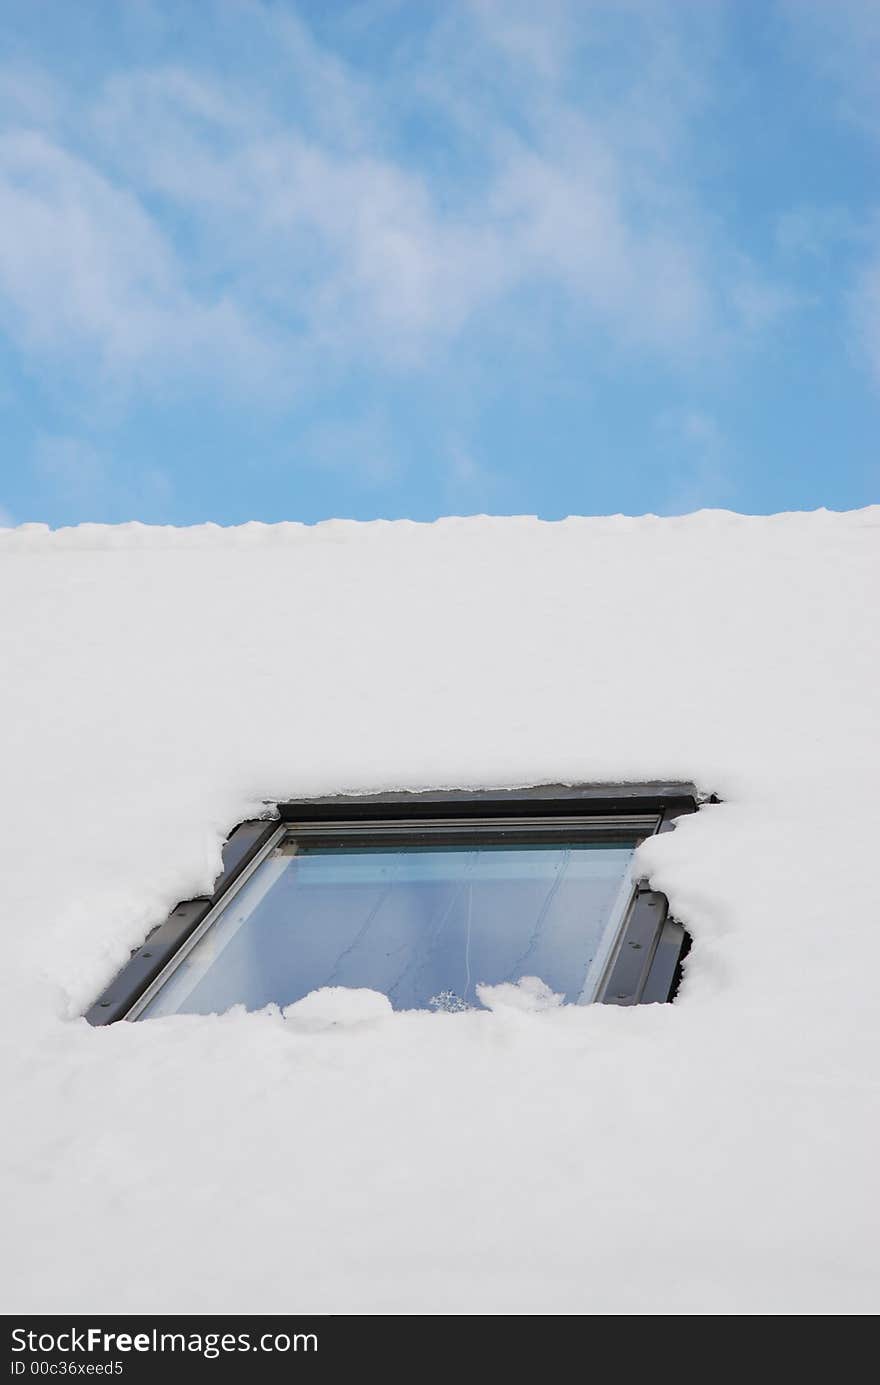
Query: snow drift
column 713, row 1156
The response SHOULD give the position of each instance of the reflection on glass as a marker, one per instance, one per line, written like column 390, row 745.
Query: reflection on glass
column 423, row 924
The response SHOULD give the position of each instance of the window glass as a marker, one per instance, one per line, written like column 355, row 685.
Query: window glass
column 422, row 923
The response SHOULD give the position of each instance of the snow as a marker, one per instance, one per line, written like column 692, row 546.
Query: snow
column 530, row 993
column 332, row 1005
column 716, row 1156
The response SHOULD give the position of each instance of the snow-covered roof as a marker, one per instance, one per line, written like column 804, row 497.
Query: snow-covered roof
column 712, row 1156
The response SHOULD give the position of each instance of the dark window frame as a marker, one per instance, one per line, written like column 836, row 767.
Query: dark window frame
column 644, row 966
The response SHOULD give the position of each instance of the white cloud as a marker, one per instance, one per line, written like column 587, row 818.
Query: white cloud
column 364, row 251
column 263, row 230
column 6, row 520
column 568, row 224
column 83, row 267
column 536, row 39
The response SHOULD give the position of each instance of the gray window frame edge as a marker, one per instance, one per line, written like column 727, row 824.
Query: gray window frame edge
column 643, row 967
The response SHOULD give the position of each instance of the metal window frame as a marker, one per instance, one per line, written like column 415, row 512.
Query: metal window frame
column 644, row 963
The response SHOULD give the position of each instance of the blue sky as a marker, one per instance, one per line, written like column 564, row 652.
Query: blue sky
column 384, row 258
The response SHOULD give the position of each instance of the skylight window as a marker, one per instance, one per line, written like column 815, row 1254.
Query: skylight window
column 425, row 899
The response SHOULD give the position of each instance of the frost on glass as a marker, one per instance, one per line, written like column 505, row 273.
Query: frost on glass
column 425, row 925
